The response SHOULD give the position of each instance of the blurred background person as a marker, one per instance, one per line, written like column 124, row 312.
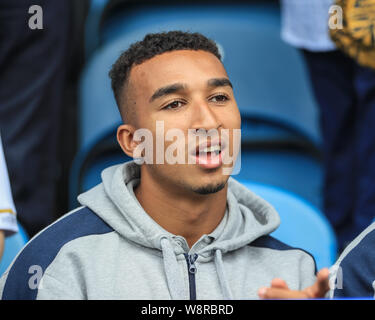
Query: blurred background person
column 8, row 221
column 345, row 92
column 39, row 66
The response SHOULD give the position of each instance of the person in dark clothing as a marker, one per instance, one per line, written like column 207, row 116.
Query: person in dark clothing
column 345, row 94
column 33, row 64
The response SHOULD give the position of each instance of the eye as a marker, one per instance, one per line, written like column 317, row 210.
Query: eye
column 220, row 98
column 174, row 105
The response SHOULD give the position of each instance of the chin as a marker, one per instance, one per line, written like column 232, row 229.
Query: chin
column 210, row 188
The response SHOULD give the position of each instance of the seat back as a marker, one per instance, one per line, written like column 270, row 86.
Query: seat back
column 288, row 168
column 277, row 154
column 90, row 161
column 302, row 225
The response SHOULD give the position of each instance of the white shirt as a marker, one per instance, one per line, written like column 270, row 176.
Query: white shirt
column 304, row 24
column 8, row 221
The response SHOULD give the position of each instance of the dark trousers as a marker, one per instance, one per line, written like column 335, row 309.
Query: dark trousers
column 32, row 79
column 345, row 93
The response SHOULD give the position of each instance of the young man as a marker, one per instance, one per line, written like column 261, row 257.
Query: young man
column 164, row 230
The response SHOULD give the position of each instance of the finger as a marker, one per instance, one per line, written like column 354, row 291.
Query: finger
column 321, row 286
column 278, row 293
column 279, row 283
column 323, row 281
column 275, row 283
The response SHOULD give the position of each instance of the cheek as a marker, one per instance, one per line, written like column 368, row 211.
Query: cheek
column 236, row 118
column 232, row 121
column 231, row 118
column 236, row 121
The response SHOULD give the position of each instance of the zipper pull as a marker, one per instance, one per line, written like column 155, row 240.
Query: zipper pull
column 191, row 259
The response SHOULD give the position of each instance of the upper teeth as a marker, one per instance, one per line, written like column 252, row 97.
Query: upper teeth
column 216, row 148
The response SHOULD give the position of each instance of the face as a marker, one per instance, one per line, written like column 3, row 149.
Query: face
column 189, row 92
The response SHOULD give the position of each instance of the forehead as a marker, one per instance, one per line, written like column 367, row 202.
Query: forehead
column 185, row 66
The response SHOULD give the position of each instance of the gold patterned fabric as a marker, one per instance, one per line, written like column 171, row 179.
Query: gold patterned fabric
column 357, row 37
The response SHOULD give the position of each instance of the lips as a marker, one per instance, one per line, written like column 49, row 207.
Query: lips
column 208, row 154
column 207, row 146
column 211, row 149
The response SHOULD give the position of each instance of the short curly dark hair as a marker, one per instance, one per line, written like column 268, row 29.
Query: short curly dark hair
column 154, row 44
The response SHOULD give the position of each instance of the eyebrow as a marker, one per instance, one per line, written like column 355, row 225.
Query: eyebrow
column 220, row 82
column 173, row 88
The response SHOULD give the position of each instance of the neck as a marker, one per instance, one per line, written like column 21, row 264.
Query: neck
column 186, row 213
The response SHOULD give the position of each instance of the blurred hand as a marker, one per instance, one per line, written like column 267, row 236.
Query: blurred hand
column 280, row 290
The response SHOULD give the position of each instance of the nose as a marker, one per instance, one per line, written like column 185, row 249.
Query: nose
column 204, row 117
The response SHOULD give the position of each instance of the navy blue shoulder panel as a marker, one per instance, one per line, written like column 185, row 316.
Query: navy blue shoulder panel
column 272, row 243
column 357, row 270
column 42, row 250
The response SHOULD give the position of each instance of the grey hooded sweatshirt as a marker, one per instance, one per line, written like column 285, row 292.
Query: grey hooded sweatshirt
column 110, row 248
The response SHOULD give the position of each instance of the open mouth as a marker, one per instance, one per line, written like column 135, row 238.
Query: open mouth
column 208, row 155
column 216, row 150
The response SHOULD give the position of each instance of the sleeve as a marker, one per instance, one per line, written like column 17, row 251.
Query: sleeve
column 38, row 286
column 353, row 275
column 307, row 271
column 53, row 289
column 8, row 220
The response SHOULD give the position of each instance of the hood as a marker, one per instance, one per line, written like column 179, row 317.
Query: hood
column 247, row 218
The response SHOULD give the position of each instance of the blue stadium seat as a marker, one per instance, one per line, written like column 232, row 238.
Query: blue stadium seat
column 90, row 162
column 302, row 225
column 13, row 246
column 289, row 169
column 279, row 155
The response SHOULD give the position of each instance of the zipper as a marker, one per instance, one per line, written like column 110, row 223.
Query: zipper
column 192, row 269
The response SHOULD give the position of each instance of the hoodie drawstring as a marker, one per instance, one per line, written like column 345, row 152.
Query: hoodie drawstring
column 227, row 293
column 172, row 271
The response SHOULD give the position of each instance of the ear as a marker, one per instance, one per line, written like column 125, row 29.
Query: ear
column 125, row 137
